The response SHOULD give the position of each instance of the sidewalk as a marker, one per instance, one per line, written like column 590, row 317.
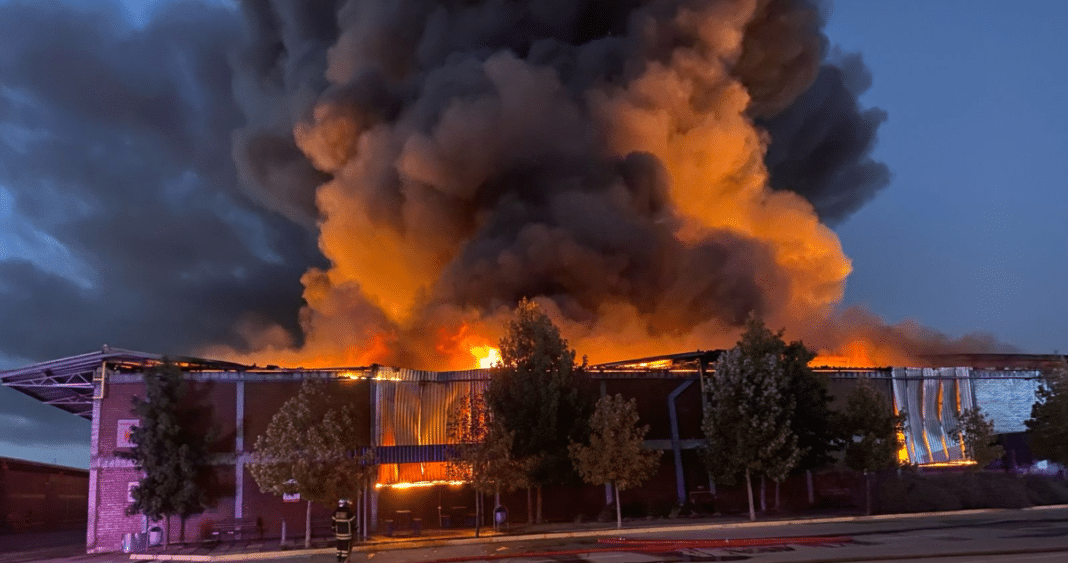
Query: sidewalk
column 323, row 548
column 42, row 549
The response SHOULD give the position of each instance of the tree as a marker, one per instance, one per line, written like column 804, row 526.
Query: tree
column 481, row 451
column 813, row 419
column 312, row 453
column 540, row 397
column 748, row 414
column 870, row 430
column 1048, row 425
column 614, row 454
column 173, row 454
column 976, row 432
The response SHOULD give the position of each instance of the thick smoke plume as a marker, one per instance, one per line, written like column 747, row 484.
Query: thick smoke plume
column 609, row 158
column 650, row 171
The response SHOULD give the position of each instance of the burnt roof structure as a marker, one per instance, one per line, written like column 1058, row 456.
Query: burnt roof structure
column 69, row 383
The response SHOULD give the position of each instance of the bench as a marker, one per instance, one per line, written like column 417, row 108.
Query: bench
column 236, row 529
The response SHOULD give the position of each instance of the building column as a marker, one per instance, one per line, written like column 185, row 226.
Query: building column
column 94, row 474
column 676, row 446
column 239, row 447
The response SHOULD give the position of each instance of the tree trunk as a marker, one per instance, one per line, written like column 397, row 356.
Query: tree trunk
column 539, row 504
column 478, row 512
column 307, row 526
column 619, row 511
column 763, row 494
column 366, row 493
column 749, row 490
column 530, row 507
column 777, row 487
column 181, row 529
column 811, row 489
column 166, row 531
column 867, row 493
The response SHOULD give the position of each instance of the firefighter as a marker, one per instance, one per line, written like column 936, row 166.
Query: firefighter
column 343, row 518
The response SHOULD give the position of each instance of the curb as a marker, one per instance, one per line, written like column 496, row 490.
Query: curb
column 250, row 556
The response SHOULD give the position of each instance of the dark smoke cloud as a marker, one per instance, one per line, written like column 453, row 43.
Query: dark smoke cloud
column 821, row 144
column 469, row 140
column 117, row 147
column 187, row 165
column 279, row 72
column 806, row 95
column 483, row 137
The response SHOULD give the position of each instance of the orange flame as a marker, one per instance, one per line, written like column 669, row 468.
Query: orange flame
column 855, row 354
column 487, row 356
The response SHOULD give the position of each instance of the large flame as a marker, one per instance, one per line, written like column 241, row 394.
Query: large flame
column 487, row 356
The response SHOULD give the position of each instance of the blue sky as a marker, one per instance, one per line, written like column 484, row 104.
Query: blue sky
column 970, row 235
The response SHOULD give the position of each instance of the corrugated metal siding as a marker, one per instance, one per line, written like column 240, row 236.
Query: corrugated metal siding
column 930, row 398
column 405, row 374
column 415, row 412
column 901, row 404
column 1006, row 401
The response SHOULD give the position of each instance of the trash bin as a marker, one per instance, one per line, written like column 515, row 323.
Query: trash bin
column 500, row 515
column 155, row 536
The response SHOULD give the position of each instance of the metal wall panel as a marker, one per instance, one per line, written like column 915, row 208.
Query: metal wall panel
column 1006, row 397
column 932, row 399
column 948, row 417
column 413, row 412
column 900, row 392
column 915, row 425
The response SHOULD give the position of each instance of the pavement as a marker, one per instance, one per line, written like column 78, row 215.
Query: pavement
column 69, row 547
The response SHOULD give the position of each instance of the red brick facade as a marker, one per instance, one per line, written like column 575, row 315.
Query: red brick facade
column 214, row 396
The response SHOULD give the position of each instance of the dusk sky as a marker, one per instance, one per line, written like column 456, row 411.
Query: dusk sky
column 968, row 236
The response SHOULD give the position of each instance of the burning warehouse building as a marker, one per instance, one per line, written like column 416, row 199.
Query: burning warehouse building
column 402, row 416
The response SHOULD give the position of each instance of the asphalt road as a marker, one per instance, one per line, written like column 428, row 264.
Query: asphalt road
column 1032, row 536
column 1036, row 536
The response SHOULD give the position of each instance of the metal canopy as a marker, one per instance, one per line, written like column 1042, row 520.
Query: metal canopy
column 67, row 383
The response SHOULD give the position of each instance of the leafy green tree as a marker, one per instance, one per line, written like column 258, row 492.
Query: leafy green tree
column 540, row 397
column 614, row 454
column 870, row 430
column 1048, row 425
column 173, row 454
column 312, row 453
column 749, row 410
column 976, row 432
column 481, row 451
column 813, row 419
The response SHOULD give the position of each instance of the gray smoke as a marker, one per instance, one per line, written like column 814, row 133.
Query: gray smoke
column 821, row 143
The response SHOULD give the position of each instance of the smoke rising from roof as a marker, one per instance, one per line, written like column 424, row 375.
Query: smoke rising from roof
column 651, row 171
column 599, row 156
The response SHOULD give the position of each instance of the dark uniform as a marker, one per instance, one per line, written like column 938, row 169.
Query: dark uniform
column 343, row 518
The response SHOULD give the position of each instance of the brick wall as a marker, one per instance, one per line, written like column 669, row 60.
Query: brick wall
column 112, row 522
